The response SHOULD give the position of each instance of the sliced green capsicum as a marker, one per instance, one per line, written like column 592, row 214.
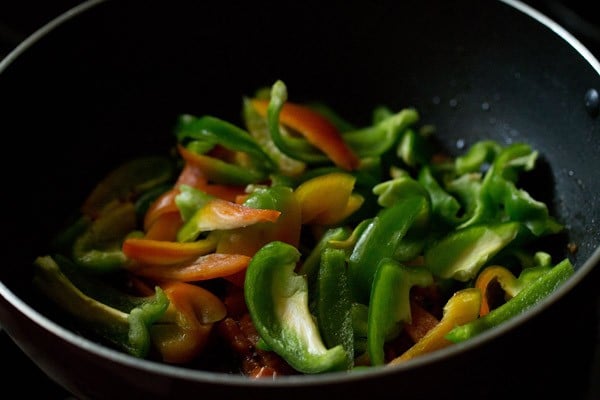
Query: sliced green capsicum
column 125, row 322
column 536, row 291
column 389, row 304
column 277, row 300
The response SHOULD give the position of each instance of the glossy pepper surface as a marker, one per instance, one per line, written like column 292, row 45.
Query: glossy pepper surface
column 277, row 299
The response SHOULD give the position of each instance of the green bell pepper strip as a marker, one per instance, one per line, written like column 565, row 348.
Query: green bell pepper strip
column 390, row 192
column 296, row 148
column 375, row 140
column 128, row 181
column 477, row 206
column 360, row 327
column 444, row 206
column 481, row 152
column 217, row 131
column 128, row 330
column 334, row 303
column 189, row 200
column 461, row 254
column 98, row 249
column 379, row 240
column 413, row 149
column 277, row 299
column 259, row 129
column 498, row 198
column 520, row 206
column 310, row 265
column 531, row 294
column 389, row 304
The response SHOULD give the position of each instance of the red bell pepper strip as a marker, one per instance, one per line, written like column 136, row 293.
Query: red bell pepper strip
column 317, row 130
column 210, row 266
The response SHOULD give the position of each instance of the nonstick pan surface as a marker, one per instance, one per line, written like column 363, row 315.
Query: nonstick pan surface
column 105, row 84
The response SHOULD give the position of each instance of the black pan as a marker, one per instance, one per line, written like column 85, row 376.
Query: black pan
column 104, row 83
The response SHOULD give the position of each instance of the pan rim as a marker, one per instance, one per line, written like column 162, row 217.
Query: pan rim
column 215, row 378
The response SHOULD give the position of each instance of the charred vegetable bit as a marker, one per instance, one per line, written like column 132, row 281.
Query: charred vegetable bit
column 299, row 242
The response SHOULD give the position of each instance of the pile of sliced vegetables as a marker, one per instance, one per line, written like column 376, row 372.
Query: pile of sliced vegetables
column 301, row 244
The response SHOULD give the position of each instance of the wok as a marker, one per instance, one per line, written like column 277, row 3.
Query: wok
column 104, row 82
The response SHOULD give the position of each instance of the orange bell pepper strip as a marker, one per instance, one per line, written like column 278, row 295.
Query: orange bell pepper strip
column 461, row 308
column 328, row 199
column 209, row 266
column 248, row 240
column 190, row 175
column 219, row 214
column 317, row 130
column 164, row 204
column 184, row 331
column 161, row 252
column 165, row 227
column 503, row 276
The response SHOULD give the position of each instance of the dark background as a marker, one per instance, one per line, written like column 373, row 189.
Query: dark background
column 21, row 18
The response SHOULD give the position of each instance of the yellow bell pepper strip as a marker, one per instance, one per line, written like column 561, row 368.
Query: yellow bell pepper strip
column 462, row 253
column 161, row 252
column 380, row 240
column 128, row 181
column 219, row 214
column 511, row 285
column 389, row 304
column 99, row 247
column 257, row 127
column 277, row 300
column 183, row 332
column 495, row 273
column 328, row 199
column 334, row 305
column 530, row 295
column 383, row 135
column 126, row 327
column 323, row 141
column 461, row 308
column 209, row 266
